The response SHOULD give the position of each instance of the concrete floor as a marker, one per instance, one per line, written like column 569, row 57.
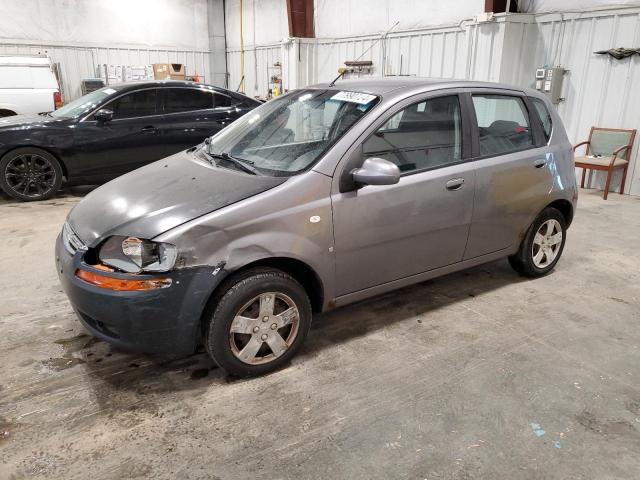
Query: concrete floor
column 455, row 378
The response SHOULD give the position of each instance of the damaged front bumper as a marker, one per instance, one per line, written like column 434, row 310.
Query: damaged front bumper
column 163, row 320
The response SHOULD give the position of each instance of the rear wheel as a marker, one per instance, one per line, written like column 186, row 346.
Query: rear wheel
column 30, row 174
column 542, row 246
column 259, row 322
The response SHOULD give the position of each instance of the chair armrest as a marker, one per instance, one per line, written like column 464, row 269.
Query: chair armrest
column 616, row 152
column 586, row 142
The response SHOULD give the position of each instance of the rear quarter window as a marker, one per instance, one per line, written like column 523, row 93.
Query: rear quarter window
column 545, row 117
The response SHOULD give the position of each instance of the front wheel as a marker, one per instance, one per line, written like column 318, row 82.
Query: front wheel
column 259, row 322
column 542, row 246
column 29, row 174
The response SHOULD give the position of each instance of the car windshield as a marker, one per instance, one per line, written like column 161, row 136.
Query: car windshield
column 289, row 134
column 83, row 104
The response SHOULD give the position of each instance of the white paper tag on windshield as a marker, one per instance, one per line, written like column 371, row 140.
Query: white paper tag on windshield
column 109, row 91
column 354, row 97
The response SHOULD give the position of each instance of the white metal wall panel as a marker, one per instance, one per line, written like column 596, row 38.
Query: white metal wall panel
column 256, row 68
column 77, row 63
column 599, row 90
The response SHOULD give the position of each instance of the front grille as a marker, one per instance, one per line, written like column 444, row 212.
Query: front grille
column 71, row 241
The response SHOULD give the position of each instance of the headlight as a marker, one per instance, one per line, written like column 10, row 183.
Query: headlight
column 135, row 255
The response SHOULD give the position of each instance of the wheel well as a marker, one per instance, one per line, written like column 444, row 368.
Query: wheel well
column 300, row 271
column 65, row 172
column 6, row 113
column 565, row 208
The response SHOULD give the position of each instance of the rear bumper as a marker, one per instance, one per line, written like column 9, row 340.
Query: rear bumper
column 166, row 320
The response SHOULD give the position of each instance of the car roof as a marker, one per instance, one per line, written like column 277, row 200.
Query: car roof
column 135, row 85
column 391, row 86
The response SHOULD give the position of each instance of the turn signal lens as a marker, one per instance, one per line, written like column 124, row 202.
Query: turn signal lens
column 122, row 285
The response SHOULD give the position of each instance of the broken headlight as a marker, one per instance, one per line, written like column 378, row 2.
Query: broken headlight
column 135, row 255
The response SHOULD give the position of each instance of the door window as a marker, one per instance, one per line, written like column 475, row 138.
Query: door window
column 220, row 100
column 503, row 124
column 424, row 135
column 187, row 100
column 545, row 117
column 136, row 104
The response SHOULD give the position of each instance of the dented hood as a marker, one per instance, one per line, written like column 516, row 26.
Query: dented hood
column 161, row 196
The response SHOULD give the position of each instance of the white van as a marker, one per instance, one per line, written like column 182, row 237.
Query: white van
column 27, row 85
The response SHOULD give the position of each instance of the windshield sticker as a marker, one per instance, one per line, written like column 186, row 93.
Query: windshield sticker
column 109, row 91
column 354, row 97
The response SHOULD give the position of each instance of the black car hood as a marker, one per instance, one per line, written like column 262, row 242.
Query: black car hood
column 14, row 121
column 160, row 196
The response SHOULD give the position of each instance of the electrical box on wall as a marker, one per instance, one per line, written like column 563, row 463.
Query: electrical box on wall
column 549, row 81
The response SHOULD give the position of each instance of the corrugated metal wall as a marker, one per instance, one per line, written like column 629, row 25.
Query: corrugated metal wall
column 78, row 62
column 599, row 90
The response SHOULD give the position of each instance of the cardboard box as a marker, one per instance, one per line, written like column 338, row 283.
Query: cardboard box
column 173, row 71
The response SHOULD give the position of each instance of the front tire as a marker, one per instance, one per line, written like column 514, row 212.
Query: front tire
column 259, row 322
column 542, row 246
column 30, row 174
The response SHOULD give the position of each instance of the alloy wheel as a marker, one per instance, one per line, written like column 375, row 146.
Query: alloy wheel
column 30, row 175
column 264, row 328
column 546, row 243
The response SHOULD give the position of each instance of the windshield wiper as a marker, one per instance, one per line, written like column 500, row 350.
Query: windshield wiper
column 243, row 164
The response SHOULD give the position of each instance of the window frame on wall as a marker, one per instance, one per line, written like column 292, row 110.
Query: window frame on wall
column 465, row 124
column 537, row 135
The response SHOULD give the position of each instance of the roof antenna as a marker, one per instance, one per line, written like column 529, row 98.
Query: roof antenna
column 384, row 35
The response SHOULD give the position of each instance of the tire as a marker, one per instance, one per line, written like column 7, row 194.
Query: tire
column 246, row 316
column 541, row 248
column 30, row 174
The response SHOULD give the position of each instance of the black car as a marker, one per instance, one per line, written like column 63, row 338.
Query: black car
column 109, row 132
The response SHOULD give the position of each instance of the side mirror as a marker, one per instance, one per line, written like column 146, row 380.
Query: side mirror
column 376, row 171
column 103, row 115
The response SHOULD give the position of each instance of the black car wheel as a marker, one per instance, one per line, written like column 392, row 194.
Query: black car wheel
column 30, row 174
column 258, row 322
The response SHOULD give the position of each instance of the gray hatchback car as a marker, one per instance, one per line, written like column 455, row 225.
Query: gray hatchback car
column 328, row 195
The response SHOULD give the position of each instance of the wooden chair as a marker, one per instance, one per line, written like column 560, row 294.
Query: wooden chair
column 608, row 149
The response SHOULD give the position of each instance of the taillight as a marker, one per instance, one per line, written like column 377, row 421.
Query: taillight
column 57, row 100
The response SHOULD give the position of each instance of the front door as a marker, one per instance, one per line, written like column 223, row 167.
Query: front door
column 385, row 233
column 128, row 141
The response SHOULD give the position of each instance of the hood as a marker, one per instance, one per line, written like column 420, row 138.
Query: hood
column 27, row 122
column 161, row 196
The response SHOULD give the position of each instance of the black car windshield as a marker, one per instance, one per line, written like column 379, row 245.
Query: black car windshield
column 289, row 134
column 84, row 104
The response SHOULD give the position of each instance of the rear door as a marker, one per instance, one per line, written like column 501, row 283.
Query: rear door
column 191, row 114
column 386, row 233
column 513, row 170
column 128, row 141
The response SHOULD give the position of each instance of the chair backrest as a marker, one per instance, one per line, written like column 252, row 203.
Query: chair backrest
column 605, row 140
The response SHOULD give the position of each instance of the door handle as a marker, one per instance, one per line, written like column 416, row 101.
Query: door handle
column 149, row 129
column 455, row 184
column 539, row 163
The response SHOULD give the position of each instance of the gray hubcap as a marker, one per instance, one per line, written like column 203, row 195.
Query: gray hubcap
column 546, row 243
column 264, row 328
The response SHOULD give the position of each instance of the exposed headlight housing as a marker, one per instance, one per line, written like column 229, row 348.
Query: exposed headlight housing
column 135, row 255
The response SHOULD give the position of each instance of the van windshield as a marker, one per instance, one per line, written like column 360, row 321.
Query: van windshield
column 84, row 104
column 289, row 134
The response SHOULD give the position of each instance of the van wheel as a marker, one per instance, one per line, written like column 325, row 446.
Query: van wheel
column 258, row 323
column 30, row 174
column 542, row 245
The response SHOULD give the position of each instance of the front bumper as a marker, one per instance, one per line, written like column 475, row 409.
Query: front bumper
column 166, row 320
